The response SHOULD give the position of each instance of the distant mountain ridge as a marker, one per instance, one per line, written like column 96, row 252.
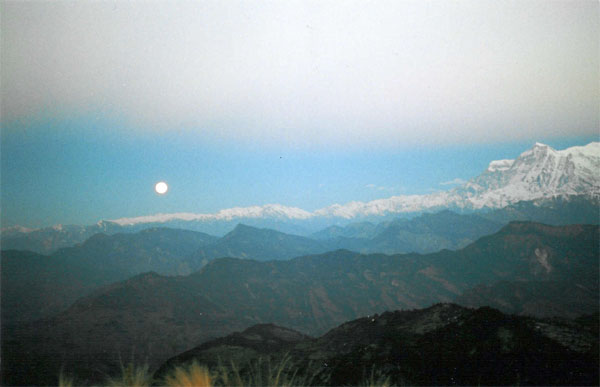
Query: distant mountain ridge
column 49, row 239
column 356, row 236
column 537, row 175
column 261, row 244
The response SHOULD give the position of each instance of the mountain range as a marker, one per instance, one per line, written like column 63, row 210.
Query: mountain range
column 522, row 237
column 37, row 286
column 153, row 317
column 539, row 175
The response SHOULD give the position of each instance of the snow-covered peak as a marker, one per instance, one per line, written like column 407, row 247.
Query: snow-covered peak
column 590, row 150
column 540, row 172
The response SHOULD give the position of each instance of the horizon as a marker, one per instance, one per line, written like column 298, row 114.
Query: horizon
column 318, row 105
column 238, row 211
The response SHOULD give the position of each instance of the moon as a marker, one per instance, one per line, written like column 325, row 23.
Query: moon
column 161, row 188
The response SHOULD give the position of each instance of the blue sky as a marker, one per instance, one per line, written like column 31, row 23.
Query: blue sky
column 81, row 171
column 304, row 104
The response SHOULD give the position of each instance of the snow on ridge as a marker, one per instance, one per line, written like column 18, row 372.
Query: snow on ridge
column 394, row 204
column 590, row 150
column 17, row 229
column 271, row 210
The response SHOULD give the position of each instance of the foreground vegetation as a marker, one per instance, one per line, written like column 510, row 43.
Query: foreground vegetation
column 193, row 374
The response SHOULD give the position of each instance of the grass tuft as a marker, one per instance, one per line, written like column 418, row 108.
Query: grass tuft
column 131, row 376
column 192, row 375
column 65, row 381
column 256, row 373
column 375, row 380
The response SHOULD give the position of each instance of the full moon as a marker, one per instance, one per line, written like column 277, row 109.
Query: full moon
column 161, row 187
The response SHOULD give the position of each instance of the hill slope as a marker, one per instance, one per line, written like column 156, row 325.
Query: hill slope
column 36, row 286
column 441, row 345
column 260, row 244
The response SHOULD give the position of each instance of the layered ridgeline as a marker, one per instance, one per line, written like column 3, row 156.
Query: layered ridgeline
column 36, row 286
column 442, row 345
column 541, row 178
column 153, row 317
column 49, row 239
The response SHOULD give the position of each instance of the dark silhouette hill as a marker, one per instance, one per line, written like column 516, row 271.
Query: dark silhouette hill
column 442, row 345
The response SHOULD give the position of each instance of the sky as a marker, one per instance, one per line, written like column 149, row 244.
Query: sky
column 301, row 103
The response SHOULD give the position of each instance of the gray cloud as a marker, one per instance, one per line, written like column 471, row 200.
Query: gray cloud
column 310, row 72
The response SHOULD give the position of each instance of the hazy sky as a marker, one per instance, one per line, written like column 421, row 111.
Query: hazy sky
column 294, row 102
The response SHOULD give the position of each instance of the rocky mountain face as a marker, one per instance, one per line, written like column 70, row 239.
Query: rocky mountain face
column 155, row 317
column 442, row 345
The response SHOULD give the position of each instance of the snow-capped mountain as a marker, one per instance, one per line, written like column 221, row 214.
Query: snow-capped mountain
column 540, row 172
column 537, row 174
